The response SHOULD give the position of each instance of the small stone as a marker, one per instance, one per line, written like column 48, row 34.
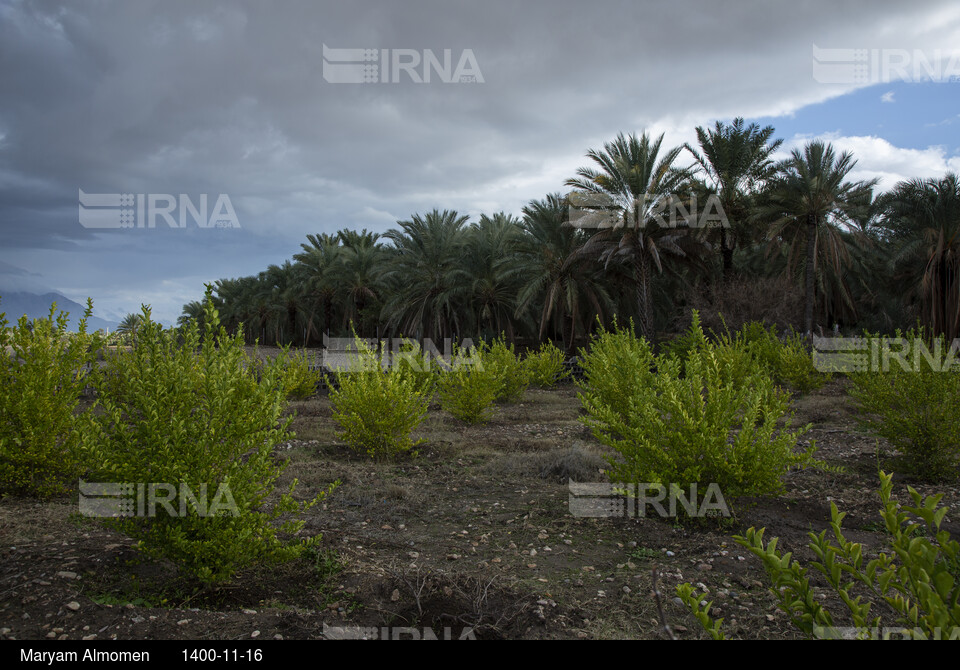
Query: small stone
column 670, row 554
column 249, row 611
column 677, row 601
column 255, row 633
column 66, row 574
column 73, row 605
column 395, row 596
column 89, row 637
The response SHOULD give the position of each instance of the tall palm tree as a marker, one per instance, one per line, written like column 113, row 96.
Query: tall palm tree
column 424, row 275
column 320, row 260
column 193, row 311
column 361, row 266
column 736, row 161
column 639, row 183
column 492, row 276
column 924, row 219
column 129, row 326
column 810, row 202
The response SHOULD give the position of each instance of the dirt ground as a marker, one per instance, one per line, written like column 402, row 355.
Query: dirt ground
column 473, row 537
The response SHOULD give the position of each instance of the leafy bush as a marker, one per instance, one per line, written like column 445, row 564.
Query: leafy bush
column 195, row 419
column 617, row 365
column 469, row 389
column 545, row 367
column 916, row 410
column 299, row 378
column 737, row 356
column 719, row 421
column 917, row 583
column 788, row 361
column 413, row 364
column 43, row 371
column 377, row 408
column 500, row 359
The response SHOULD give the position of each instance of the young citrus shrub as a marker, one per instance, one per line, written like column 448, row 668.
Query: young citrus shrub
column 545, row 367
column 192, row 421
column 914, row 404
column 918, row 581
column 499, row 358
column 43, row 371
column 415, row 365
column 617, row 365
column 300, row 379
column 716, row 421
column 470, row 388
column 788, row 361
column 377, row 408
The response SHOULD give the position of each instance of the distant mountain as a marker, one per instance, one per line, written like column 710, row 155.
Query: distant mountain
column 35, row 306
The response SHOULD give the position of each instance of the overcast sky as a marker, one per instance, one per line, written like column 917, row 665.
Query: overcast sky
column 203, row 97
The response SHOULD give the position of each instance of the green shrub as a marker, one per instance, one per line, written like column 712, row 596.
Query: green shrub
column 721, row 421
column 617, row 365
column 788, row 361
column 917, row 583
column 916, row 410
column 377, row 408
column 43, row 371
column 500, row 359
column 196, row 417
column 300, row 380
column 413, row 364
column 545, row 367
column 470, row 388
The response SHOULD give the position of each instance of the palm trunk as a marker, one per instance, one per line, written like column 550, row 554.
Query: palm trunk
column 810, row 294
column 644, row 298
column 726, row 254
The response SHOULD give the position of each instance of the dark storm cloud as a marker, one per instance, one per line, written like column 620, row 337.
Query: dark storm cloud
column 229, row 97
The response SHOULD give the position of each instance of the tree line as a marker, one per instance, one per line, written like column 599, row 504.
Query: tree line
column 798, row 243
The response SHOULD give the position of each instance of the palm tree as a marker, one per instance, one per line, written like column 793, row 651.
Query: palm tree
column 322, row 273
column 923, row 217
column 424, row 275
column 556, row 277
column 491, row 277
column 639, row 184
column 808, row 202
column 361, row 264
column 129, row 326
column 736, row 161
column 192, row 312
